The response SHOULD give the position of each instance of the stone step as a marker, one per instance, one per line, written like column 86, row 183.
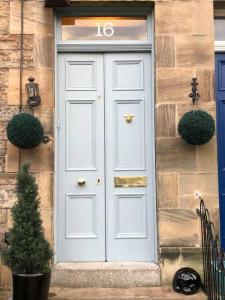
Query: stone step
column 154, row 293
column 106, row 275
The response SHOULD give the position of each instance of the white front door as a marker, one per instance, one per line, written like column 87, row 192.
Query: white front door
column 105, row 187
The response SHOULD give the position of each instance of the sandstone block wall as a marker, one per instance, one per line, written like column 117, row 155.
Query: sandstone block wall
column 184, row 36
column 38, row 61
column 184, row 48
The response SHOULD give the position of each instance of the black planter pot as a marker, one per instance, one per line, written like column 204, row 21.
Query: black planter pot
column 31, row 286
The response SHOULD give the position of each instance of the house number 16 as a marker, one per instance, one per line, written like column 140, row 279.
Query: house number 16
column 105, row 29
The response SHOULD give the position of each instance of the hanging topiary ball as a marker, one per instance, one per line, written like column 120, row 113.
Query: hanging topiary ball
column 25, row 131
column 196, row 127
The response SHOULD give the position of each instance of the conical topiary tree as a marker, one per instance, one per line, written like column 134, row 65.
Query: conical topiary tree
column 28, row 252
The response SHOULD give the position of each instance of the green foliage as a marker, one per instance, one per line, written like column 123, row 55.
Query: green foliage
column 196, row 127
column 25, row 131
column 29, row 252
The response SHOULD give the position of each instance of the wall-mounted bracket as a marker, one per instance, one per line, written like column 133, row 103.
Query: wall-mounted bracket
column 194, row 94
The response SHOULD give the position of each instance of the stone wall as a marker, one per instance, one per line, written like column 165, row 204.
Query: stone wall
column 183, row 48
column 38, row 61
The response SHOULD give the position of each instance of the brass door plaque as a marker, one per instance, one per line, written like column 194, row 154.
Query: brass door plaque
column 130, row 181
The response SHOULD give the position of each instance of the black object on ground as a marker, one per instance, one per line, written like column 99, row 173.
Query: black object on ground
column 186, row 281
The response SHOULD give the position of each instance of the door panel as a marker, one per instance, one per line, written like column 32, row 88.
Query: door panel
column 125, row 159
column 81, row 209
column 80, row 155
column 129, row 152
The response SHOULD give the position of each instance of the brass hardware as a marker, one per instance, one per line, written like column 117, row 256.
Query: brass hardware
column 130, row 181
column 81, row 181
column 129, row 118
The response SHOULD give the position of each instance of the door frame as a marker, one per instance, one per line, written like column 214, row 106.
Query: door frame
column 102, row 47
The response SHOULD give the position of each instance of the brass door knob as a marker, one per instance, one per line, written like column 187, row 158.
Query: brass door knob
column 81, row 181
column 128, row 118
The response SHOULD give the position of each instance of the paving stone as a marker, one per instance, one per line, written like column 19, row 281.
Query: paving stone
column 156, row 293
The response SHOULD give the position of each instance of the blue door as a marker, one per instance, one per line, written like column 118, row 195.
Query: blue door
column 220, row 99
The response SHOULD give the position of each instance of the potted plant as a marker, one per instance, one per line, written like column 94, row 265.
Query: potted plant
column 29, row 254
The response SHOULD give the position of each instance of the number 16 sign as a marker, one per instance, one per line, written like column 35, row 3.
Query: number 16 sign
column 105, row 29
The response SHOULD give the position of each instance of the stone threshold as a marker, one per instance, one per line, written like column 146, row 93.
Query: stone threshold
column 106, row 274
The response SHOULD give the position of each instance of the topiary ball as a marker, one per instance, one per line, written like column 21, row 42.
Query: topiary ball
column 196, row 127
column 25, row 131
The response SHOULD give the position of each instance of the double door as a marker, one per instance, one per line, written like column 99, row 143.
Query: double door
column 105, row 158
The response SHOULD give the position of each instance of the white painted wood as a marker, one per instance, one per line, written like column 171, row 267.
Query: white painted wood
column 102, row 48
column 219, row 46
column 80, row 209
column 130, row 152
column 98, row 144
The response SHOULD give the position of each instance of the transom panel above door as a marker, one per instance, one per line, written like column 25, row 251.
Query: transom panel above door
column 105, row 189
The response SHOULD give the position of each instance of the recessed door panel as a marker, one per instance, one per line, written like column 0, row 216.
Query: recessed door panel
column 74, row 72
column 81, row 216
column 81, row 134
column 128, row 75
column 129, row 139
column 135, row 204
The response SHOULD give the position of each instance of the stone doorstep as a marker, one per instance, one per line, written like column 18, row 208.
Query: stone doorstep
column 154, row 293
column 106, row 275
